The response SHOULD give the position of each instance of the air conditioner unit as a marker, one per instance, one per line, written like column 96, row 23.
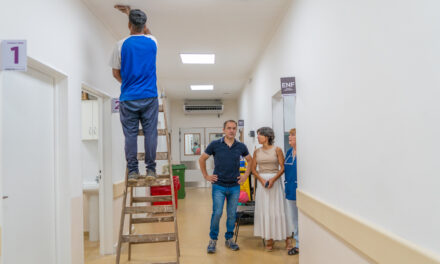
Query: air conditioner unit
column 203, row 107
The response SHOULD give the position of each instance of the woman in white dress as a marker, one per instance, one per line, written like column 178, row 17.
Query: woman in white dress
column 267, row 167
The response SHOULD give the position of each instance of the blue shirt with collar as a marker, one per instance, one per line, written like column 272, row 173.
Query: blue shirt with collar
column 227, row 160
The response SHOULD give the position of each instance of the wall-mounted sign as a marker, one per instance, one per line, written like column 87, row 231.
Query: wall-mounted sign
column 13, row 55
column 115, row 105
column 241, row 123
column 288, row 86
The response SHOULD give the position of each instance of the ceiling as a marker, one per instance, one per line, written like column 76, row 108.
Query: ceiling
column 237, row 31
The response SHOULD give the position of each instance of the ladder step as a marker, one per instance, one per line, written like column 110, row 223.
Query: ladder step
column 159, row 176
column 149, row 209
column 158, row 198
column 145, row 183
column 160, row 108
column 160, row 132
column 159, row 156
column 153, row 238
column 153, row 219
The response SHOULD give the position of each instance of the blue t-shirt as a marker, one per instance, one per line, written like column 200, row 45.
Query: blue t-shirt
column 135, row 57
column 290, row 175
column 227, row 161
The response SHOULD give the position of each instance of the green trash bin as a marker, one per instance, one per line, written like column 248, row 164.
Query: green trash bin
column 179, row 170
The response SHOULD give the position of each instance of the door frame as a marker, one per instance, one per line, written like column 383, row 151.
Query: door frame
column 60, row 184
column 193, row 163
column 106, row 181
column 277, row 118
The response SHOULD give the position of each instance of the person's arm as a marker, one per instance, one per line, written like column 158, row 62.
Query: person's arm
column 254, row 170
column 242, row 178
column 280, row 156
column 147, row 31
column 202, row 163
column 123, row 8
column 117, row 75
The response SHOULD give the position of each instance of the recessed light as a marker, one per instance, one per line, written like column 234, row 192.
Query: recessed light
column 202, row 87
column 198, row 58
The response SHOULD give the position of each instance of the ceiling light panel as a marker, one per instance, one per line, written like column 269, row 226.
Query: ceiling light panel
column 202, row 87
column 198, row 58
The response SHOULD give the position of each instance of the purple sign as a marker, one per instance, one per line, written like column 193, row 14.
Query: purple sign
column 13, row 55
column 288, row 86
column 115, row 105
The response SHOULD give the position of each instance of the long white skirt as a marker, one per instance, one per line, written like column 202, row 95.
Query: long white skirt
column 270, row 217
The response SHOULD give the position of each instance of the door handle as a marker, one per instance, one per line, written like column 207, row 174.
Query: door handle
column 5, row 197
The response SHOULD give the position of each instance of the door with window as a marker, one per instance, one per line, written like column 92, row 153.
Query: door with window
column 193, row 142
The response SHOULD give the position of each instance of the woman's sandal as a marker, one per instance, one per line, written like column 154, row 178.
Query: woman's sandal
column 289, row 244
column 293, row 251
column 269, row 245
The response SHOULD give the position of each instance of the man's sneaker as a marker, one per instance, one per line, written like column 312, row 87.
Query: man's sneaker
column 211, row 246
column 231, row 244
column 133, row 176
column 151, row 175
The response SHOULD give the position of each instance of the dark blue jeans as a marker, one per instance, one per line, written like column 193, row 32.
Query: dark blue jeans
column 219, row 193
column 131, row 113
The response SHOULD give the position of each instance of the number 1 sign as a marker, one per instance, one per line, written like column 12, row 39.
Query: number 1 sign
column 13, row 55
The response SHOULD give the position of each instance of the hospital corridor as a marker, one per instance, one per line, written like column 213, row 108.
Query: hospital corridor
column 219, row 131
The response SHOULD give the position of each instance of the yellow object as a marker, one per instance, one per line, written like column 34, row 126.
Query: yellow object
column 245, row 185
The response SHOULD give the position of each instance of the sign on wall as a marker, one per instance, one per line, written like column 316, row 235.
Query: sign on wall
column 13, row 55
column 288, row 86
column 115, row 105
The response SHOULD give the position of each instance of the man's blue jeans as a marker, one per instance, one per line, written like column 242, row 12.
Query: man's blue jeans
column 219, row 193
column 131, row 113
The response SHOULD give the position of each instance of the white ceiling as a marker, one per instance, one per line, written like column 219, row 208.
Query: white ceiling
column 237, row 31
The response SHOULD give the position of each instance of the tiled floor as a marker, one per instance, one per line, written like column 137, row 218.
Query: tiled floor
column 194, row 216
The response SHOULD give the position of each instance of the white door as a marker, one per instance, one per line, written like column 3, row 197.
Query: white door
column 95, row 118
column 213, row 133
column 86, row 119
column 193, row 142
column 28, row 144
column 89, row 119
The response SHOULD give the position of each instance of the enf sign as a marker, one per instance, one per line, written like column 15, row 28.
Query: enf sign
column 288, row 85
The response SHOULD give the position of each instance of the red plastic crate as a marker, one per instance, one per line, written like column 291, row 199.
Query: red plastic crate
column 166, row 190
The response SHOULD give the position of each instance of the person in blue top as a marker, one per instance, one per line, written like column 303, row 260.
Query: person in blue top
column 134, row 65
column 225, row 181
column 290, row 189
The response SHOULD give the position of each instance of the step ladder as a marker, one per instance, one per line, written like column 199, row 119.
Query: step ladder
column 155, row 214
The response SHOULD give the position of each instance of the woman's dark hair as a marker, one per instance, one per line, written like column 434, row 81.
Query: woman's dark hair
column 267, row 132
column 138, row 19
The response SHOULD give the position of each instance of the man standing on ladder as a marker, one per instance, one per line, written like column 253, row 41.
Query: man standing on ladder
column 134, row 65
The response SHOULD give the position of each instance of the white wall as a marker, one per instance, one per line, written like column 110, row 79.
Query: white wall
column 67, row 37
column 367, row 111
column 89, row 160
column 178, row 120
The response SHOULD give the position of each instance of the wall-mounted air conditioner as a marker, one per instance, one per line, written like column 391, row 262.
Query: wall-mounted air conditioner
column 203, row 107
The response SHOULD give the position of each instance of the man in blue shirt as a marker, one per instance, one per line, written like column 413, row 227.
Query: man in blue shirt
column 225, row 181
column 134, row 66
